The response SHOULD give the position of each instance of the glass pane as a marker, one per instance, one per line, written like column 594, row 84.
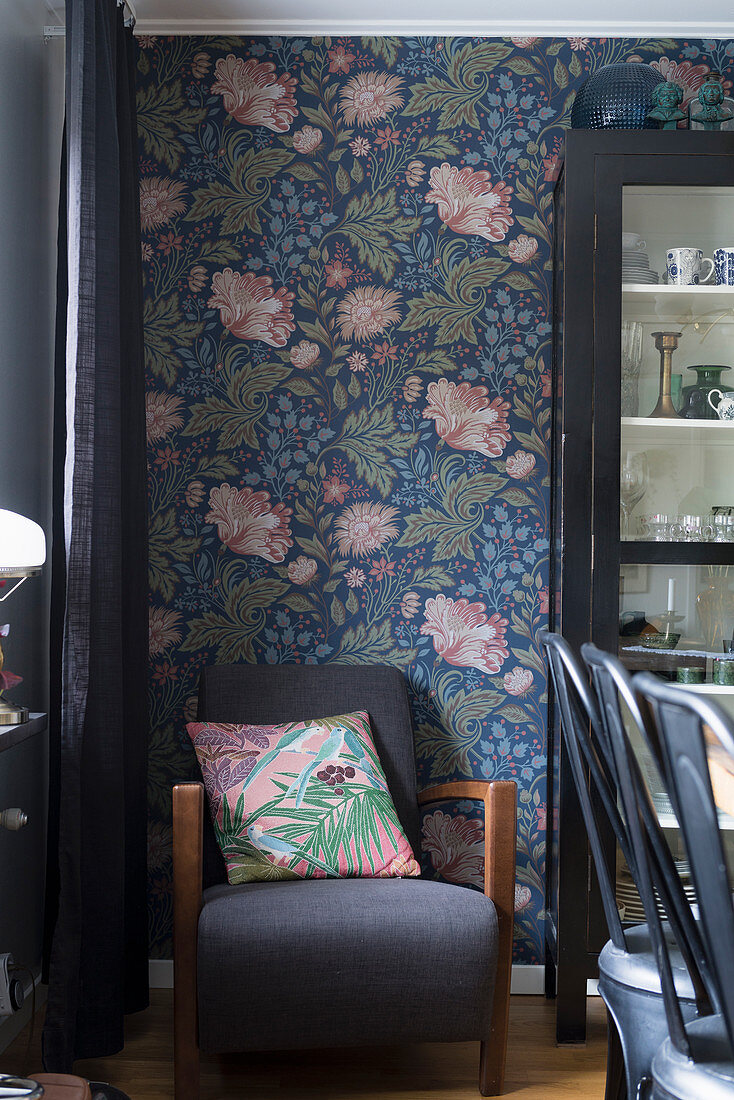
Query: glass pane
column 677, row 440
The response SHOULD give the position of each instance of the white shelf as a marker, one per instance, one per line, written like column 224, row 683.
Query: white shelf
column 659, row 302
column 652, row 430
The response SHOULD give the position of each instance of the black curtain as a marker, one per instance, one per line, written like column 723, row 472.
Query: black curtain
column 96, row 957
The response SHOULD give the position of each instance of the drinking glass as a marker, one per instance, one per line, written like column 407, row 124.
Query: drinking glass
column 633, row 482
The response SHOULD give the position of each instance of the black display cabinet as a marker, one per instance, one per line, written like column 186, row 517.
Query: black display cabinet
column 657, row 573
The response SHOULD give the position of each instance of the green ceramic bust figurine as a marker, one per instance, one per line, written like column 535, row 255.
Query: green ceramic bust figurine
column 667, row 98
column 711, row 96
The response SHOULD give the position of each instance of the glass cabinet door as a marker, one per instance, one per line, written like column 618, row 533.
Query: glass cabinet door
column 676, row 450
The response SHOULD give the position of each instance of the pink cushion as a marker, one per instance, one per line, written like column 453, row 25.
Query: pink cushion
column 301, row 800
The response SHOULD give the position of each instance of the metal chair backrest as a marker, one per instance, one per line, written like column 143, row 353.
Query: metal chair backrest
column 580, row 722
column 658, row 880
column 684, row 722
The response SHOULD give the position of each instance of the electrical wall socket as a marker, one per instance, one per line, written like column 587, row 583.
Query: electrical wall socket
column 11, row 989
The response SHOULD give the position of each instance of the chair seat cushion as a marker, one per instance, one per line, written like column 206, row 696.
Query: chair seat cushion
column 306, row 799
column 344, row 962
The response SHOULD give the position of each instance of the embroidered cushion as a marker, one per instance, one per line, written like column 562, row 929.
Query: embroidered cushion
column 301, row 800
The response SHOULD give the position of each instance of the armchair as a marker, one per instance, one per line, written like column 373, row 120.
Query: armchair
column 337, row 962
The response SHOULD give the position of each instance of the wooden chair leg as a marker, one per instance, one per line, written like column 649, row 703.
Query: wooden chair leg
column 499, row 877
column 188, row 806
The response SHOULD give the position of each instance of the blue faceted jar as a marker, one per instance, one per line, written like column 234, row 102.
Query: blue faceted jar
column 616, row 97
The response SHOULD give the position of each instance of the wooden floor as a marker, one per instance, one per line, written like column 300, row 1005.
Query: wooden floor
column 536, row 1068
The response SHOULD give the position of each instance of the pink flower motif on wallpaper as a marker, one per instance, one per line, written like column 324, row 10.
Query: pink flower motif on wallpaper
column 547, row 383
column 370, row 96
column 357, row 361
column 355, row 578
column 689, row 76
column 335, row 489
column 302, row 570
column 465, row 419
column 552, row 166
column 307, row 140
column 518, row 682
column 337, row 274
column 253, row 96
column 523, row 897
column 410, row 605
column 248, row 524
column 525, row 43
column 414, row 173
column 522, row 249
column 304, row 354
column 520, row 465
column 360, row 146
column 163, row 629
column 160, row 201
column 455, row 847
column 340, row 60
column 469, row 203
column 161, row 415
column 366, row 311
column 250, row 309
column 578, row 43
column 543, row 601
column 463, row 634
column 364, row 527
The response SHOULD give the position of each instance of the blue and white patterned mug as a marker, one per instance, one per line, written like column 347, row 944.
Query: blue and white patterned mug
column 724, row 265
column 685, row 266
column 724, row 407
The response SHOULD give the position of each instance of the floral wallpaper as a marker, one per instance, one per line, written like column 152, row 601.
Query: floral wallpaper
column 346, row 251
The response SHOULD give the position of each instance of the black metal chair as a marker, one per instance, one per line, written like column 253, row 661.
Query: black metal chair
column 696, row 1061
column 629, row 978
column 655, row 874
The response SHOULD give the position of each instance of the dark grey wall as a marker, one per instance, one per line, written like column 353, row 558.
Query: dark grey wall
column 31, row 116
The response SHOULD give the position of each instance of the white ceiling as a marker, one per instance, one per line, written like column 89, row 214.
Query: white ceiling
column 656, row 18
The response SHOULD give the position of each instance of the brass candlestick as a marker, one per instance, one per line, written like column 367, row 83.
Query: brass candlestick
column 666, row 343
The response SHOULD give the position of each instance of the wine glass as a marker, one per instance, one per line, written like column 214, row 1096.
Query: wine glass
column 634, row 478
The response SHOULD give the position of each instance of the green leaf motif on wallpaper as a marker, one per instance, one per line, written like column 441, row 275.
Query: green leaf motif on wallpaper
column 449, row 747
column 166, row 546
column 230, row 631
column 163, row 114
column 166, row 330
column 375, row 643
column 432, row 577
column 386, row 48
column 373, row 223
column 453, row 520
column 238, row 202
column 370, row 438
column 237, row 412
column 454, row 309
column 454, row 98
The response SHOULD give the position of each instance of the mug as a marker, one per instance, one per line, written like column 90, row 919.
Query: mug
column 633, row 242
column 724, row 265
column 725, row 408
column 684, row 266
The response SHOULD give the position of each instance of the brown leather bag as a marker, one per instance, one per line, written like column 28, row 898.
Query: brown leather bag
column 62, row 1086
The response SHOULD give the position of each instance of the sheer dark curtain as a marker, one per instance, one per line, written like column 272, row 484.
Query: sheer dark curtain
column 96, row 959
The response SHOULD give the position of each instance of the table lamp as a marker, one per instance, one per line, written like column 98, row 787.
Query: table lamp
column 22, row 554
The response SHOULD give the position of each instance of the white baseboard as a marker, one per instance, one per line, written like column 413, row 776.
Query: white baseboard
column 525, row 979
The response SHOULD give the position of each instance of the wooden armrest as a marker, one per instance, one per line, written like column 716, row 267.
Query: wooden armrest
column 188, row 820
column 500, row 846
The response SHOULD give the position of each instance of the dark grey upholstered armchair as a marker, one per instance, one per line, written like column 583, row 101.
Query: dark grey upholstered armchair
column 337, row 962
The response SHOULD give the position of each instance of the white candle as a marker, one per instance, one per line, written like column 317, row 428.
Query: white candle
column 671, row 594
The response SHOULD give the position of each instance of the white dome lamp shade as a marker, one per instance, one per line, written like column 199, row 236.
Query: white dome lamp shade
column 22, row 554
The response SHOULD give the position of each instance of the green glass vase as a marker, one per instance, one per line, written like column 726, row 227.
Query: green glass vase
column 694, row 398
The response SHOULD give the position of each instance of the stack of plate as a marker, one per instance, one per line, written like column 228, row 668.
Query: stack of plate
column 636, row 267
column 629, row 899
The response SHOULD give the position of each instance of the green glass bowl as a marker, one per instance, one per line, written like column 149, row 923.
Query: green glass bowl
column 659, row 641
